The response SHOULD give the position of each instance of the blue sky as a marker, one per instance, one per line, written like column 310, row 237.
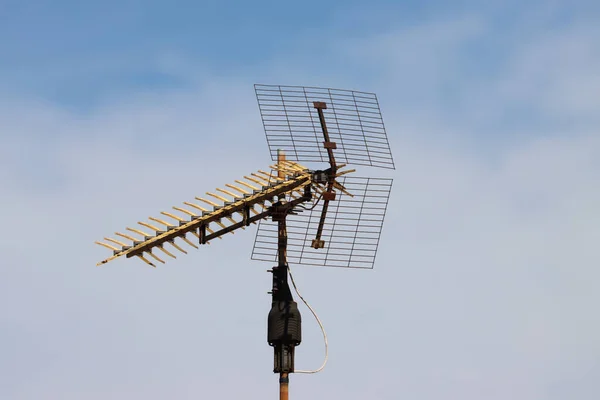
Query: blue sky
column 75, row 52
column 487, row 269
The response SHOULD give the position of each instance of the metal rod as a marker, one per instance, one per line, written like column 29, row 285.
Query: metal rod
column 282, row 243
column 320, row 106
column 321, row 224
column 283, row 293
column 284, row 383
column 284, row 322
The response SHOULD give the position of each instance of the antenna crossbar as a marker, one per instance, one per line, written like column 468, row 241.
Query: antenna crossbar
column 294, row 181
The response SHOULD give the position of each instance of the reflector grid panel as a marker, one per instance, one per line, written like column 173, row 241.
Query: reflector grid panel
column 353, row 121
column 351, row 232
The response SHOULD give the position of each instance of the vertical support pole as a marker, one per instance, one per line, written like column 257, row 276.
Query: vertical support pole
column 284, row 321
column 284, row 382
column 282, row 246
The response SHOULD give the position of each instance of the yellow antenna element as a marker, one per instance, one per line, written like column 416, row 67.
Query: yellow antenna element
column 160, row 221
column 282, row 169
column 209, row 230
column 245, row 204
column 224, row 200
column 212, row 203
column 249, row 186
column 147, row 225
column 222, row 225
column 161, row 248
column 293, row 165
column 235, row 197
column 188, row 242
column 126, row 236
column 144, row 234
column 344, row 172
column 196, row 234
column 287, row 172
column 253, row 210
column 146, row 260
column 155, row 257
column 193, row 215
column 290, row 167
column 233, row 221
column 172, row 216
column 243, row 192
column 228, row 193
column 342, row 189
column 263, row 183
column 188, row 212
column 237, row 188
column 216, row 196
column 172, row 243
column 270, row 177
column 196, row 206
column 108, row 246
column 115, row 241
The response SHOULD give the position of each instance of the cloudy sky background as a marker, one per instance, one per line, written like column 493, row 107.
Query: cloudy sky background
column 486, row 282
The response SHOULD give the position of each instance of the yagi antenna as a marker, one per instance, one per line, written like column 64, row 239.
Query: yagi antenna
column 324, row 216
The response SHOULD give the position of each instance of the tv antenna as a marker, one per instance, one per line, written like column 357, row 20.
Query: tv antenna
column 323, row 217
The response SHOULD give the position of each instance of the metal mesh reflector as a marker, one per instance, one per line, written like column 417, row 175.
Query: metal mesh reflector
column 351, row 233
column 353, row 120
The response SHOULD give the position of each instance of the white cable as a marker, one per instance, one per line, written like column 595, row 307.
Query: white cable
column 320, row 325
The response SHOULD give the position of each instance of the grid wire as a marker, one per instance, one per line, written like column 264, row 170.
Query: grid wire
column 353, row 121
column 351, row 232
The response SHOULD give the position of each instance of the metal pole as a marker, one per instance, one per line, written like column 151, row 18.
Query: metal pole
column 285, row 349
column 329, row 194
column 284, row 382
column 284, row 322
column 284, row 379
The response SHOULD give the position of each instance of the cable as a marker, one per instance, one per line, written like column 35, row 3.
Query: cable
column 313, row 204
column 320, row 325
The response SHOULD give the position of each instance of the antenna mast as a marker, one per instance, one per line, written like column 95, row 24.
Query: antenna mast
column 341, row 227
column 284, row 323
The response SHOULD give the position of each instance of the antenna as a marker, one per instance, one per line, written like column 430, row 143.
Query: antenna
column 322, row 217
